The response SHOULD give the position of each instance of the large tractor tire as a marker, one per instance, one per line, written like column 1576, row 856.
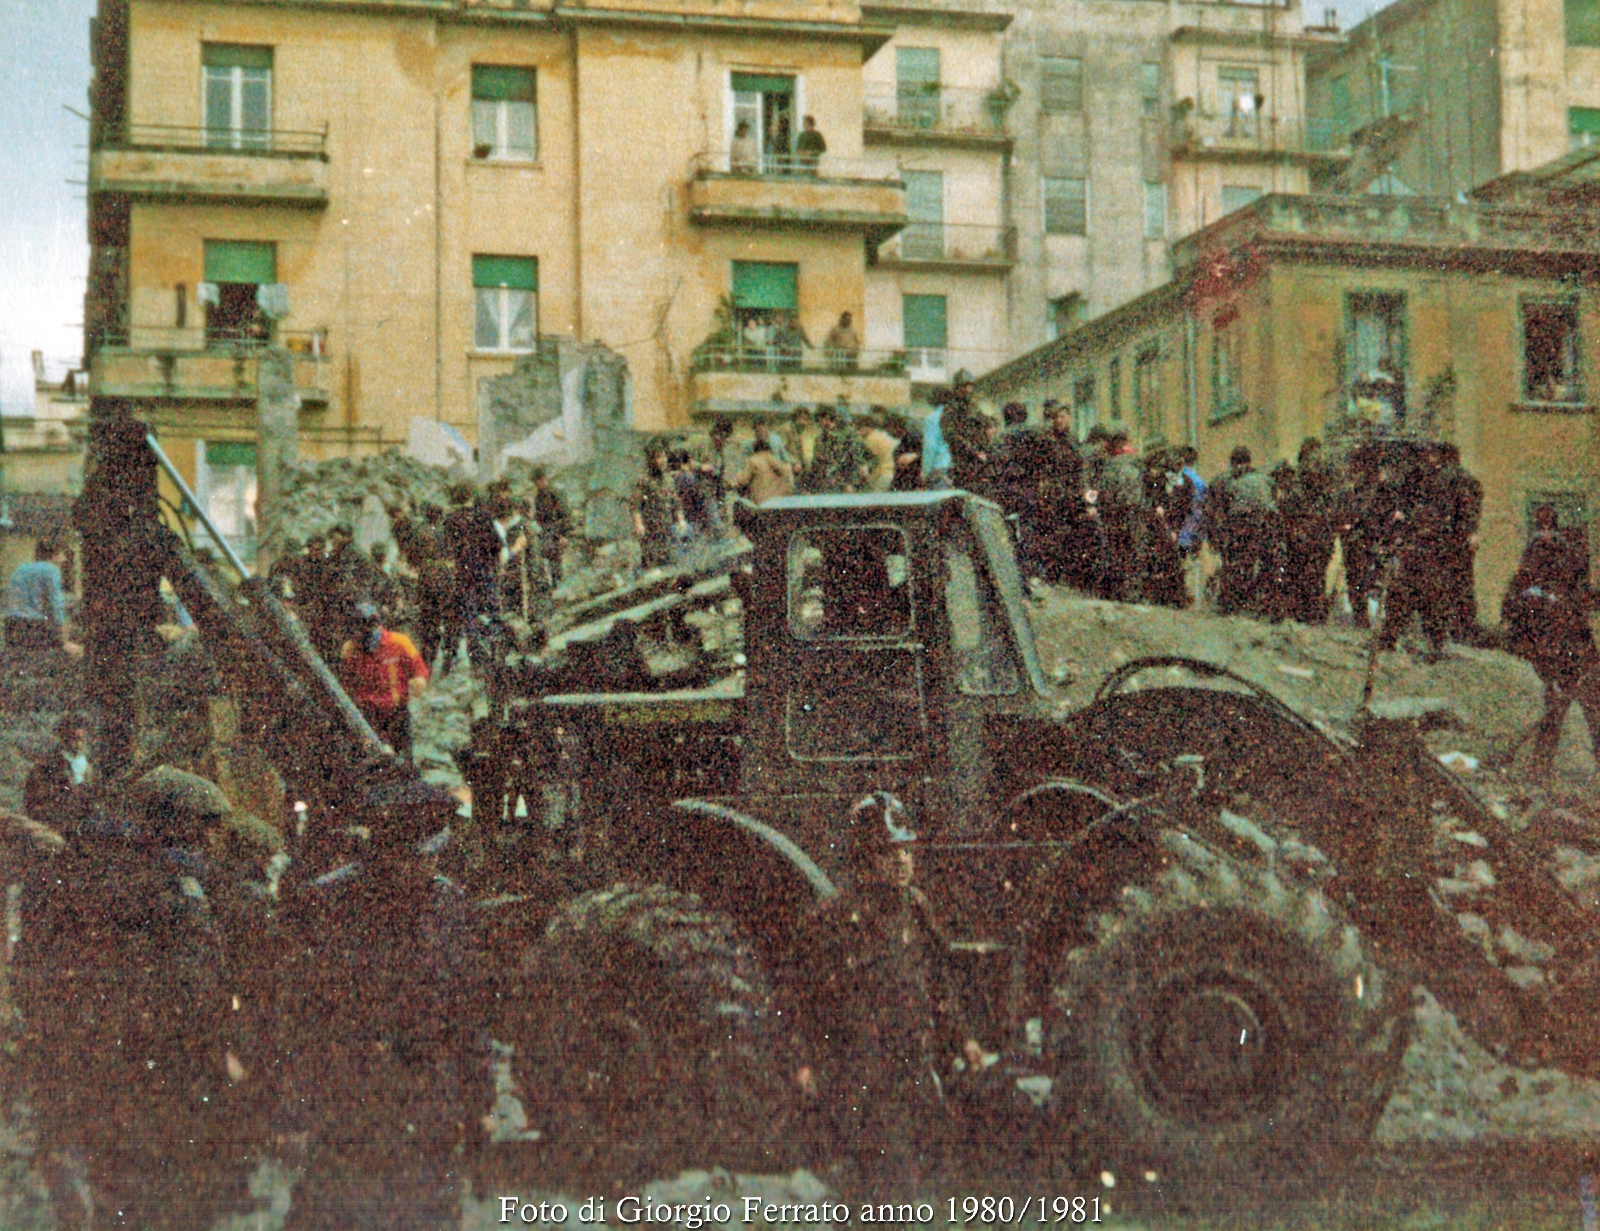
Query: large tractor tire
column 655, row 1044
column 1222, row 1023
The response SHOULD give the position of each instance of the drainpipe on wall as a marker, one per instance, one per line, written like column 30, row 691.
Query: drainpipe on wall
column 1193, row 394
column 577, row 197
column 438, row 248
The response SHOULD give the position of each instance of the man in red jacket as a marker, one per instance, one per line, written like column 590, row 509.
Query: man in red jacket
column 382, row 671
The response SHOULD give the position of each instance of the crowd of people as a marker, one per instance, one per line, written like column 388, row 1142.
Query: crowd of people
column 468, row 567
column 1106, row 519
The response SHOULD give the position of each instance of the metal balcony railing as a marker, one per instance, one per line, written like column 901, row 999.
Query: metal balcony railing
column 225, row 140
column 757, row 356
column 1248, row 131
column 168, row 339
column 907, row 108
column 774, row 166
column 956, row 243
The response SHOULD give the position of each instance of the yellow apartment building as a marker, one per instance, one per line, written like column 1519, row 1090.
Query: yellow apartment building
column 1345, row 317
column 409, row 195
column 1462, row 91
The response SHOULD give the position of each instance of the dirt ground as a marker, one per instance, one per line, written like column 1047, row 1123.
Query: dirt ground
column 1466, row 1141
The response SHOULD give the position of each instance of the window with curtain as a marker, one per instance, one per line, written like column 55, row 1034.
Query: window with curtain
column 236, row 88
column 504, row 114
column 235, row 269
column 505, row 291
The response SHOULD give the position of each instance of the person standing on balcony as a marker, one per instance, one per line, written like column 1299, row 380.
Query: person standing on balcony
column 790, row 341
column 843, row 344
column 745, row 155
column 809, row 147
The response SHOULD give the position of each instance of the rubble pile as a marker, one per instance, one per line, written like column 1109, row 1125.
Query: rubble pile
column 322, row 494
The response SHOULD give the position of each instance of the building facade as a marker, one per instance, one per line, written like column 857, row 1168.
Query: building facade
column 1347, row 317
column 1138, row 123
column 1474, row 89
column 405, row 196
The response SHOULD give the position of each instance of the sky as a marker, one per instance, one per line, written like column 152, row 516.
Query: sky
column 44, row 250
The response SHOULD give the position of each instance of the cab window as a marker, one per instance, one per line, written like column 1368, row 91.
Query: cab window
column 849, row 583
column 984, row 662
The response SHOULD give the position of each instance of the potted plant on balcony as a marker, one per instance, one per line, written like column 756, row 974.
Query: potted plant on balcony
column 998, row 100
column 721, row 345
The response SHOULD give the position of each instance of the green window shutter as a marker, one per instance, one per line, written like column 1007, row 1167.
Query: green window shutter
column 519, row 273
column 923, row 318
column 1339, row 108
column 233, row 55
column 241, row 260
column 1583, row 25
column 1583, row 119
column 759, row 83
column 231, row 453
column 499, row 81
column 763, row 284
column 916, row 65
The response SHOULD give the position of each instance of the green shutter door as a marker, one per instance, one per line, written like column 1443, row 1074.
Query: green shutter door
column 924, row 321
column 231, row 55
column 760, row 284
column 1584, row 121
column 221, row 453
column 1583, row 23
column 495, row 81
column 916, row 71
column 518, row 273
column 923, row 240
column 241, row 260
column 756, row 83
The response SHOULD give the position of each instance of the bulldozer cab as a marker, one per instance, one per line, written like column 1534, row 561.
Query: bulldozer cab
column 880, row 632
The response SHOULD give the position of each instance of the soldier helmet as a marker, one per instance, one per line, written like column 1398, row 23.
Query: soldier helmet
column 878, row 825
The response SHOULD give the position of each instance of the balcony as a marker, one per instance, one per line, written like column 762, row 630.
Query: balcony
column 917, row 114
column 186, row 365
column 163, row 162
column 1246, row 137
column 788, row 191
column 746, row 378
column 951, row 248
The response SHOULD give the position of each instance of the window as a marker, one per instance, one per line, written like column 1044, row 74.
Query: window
column 916, row 75
column 504, row 115
column 1239, row 98
column 235, row 270
column 236, row 82
column 1060, row 84
column 924, row 238
column 762, row 289
column 1237, row 196
column 1114, row 390
column 1147, row 390
column 225, row 485
column 1066, row 207
column 1083, row 409
column 1550, row 369
column 1583, row 123
column 1375, row 356
column 1583, row 23
column 1150, row 88
column 925, row 330
column 1341, row 115
column 764, row 103
column 505, row 292
column 1227, row 392
column 1155, row 210
column 979, row 648
column 850, row 582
